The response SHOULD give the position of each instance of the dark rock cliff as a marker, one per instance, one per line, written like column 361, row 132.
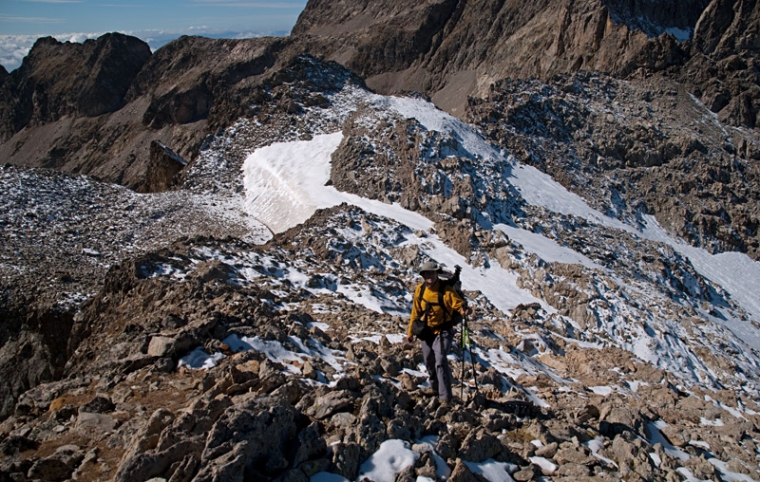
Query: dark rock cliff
column 81, row 80
column 724, row 68
column 655, row 17
column 454, row 49
column 61, row 123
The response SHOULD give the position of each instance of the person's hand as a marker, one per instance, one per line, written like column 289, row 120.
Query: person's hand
column 410, row 339
column 467, row 311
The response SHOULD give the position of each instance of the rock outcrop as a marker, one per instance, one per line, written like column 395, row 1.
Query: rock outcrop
column 134, row 413
column 698, row 179
column 655, row 18
column 76, row 80
column 164, row 164
column 446, row 53
column 74, row 124
column 66, row 231
column 723, row 68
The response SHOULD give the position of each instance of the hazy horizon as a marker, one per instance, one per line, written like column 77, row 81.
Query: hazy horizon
column 22, row 22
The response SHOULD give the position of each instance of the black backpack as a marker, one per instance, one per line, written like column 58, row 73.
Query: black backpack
column 455, row 318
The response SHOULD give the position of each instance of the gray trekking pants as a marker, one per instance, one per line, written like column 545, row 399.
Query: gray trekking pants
column 434, row 353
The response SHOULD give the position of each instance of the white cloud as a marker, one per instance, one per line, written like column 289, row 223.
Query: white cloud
column 13, row 48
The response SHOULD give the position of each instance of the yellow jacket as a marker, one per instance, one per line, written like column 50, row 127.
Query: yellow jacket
column 436, row 316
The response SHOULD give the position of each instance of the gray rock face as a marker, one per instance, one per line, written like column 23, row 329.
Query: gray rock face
column 725, row 47
column 147, row 96
column 503, row 40
column 260, row 432
column 164, row 165
column 711, row 202
column 33, row 349
column 87, row 80
column 657, row 17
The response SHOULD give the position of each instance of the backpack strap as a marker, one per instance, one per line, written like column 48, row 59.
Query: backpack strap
column 420, row 299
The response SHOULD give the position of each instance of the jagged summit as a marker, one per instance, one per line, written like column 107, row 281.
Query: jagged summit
column 193, row 86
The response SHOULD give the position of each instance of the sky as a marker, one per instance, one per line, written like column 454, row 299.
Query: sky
column 155, row 21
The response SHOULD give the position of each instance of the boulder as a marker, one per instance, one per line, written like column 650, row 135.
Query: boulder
column 462, row 473
column 161, row 346
column 259, row 432
column 479, row 446
column 331, row 403
column 163, row 166
column 58, row 466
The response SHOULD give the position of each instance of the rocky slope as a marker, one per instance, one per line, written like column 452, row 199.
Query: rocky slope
column 214, row 357
column 60, row 236
column 725, row 48
column 523, row 39
column 194, row 86
column 166, row 97
column 633, row 148
column 606, row 349
column 126, row 412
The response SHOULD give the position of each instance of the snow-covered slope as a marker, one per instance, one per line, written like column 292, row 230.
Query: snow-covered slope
column 295, row 174
column 573, row 308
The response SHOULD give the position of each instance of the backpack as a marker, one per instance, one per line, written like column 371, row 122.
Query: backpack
column 454, row 318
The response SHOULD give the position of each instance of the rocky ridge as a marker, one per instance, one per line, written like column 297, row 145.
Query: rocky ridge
column 125, row 412
column 633, row 148
column 307, row 329
column 61, row 235
column 169, row 98
column 193, row 86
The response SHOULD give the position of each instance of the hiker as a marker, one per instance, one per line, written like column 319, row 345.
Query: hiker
column 433, row 307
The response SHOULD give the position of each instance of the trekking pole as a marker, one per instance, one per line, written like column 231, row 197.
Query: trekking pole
column 472, row 357
column 465, row 336
column 467, row 345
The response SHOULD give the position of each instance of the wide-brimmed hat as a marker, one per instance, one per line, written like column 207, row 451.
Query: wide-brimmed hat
column 429, row 266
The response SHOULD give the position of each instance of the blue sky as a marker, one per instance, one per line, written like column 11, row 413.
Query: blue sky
column 155, row 21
